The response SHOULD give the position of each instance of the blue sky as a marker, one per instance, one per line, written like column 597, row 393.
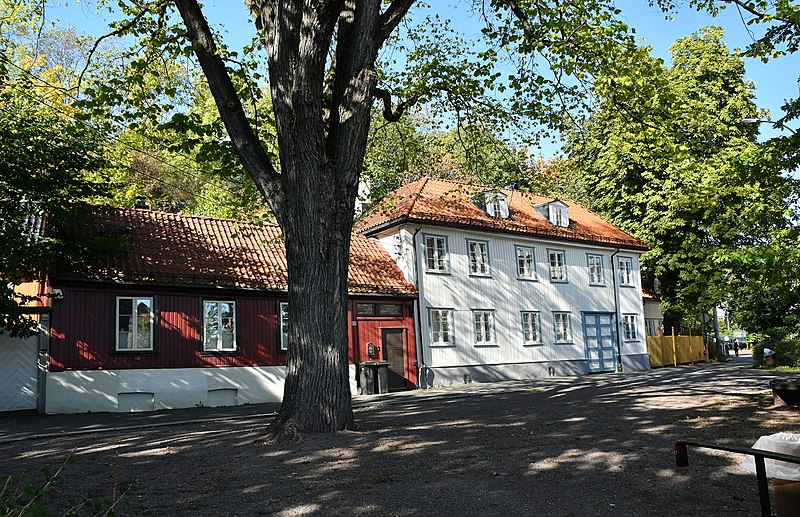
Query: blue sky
column 775, row 81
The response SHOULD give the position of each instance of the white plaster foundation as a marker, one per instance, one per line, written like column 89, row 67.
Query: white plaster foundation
column 116, row 391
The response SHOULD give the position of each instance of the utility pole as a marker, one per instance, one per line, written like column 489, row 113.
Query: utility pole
column 720, row 349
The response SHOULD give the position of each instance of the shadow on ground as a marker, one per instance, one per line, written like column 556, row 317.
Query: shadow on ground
column 600, row 445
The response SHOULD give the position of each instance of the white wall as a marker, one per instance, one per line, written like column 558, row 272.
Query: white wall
column 168, row 388
column 507, row 295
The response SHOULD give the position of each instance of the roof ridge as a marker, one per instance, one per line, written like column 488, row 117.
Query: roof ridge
column 417, row 192
column 187, row 216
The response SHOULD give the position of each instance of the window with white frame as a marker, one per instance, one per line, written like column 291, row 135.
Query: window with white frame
column 595, row 263
column 629, row 327
column 563, row 328
column 526, row 263
column 441, row 326
column 561, row 218
column 436, row 253
column 652, row 326
column 284, row 324
column 134, row 323
column 219, row 325
column 531, row 328
column 478, row 257
column 625, row 271
column 558, row 268
column 484, row 327
column 496, row 204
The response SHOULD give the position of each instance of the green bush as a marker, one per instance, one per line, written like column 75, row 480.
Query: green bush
column 787, row 352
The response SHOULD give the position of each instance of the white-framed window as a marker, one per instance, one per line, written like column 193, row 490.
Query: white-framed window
column 652, row 326
column 283, row 316
column 441, row 326
column 135, row 319
column 531, row 328
column 219, row 325
column 625, row 271
column 496, row 204
column 483, row 325
column 436, row 258
column 595, row 264
column 561, row 218
column 559, row 214
column 558, row 268
column 478, row 252
column 563, row 327
column 526, row 263
column 629, row 327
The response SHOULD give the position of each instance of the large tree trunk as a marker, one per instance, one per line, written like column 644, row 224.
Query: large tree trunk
column 322, row 113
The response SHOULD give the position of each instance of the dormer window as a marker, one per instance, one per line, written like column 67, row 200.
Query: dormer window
column 558, row 213
column 495, row 204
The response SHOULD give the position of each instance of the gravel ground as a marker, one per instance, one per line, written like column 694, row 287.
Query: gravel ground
column 598, row 445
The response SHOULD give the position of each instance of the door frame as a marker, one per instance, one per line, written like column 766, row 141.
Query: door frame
column 403, row 331
column 613, row 341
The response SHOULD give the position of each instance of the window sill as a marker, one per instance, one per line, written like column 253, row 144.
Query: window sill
column 538, row 343
column 627, row 285
column 442, row 345
column 481, row 275
column 597, row 285
column 212, row 353
column 552, row 281
column 526, row 279
column 565, row 342
column 434, row 272
column 486, row 345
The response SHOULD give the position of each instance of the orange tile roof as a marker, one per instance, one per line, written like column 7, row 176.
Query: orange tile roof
column 648, row 293
column 187, row 250
column 446, row 202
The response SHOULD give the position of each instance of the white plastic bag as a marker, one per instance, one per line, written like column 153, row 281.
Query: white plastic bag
column 784, row 443
column 767, row 352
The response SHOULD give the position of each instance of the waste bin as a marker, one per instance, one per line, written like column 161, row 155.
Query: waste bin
column 366, row 377
column 373, row 377
column 769, row 357
column 785, row 476
column 382, row 376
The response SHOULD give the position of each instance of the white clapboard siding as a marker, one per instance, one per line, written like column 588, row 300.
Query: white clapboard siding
column 508, row 296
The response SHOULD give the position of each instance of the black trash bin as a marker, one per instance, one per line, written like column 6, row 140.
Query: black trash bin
column 382, row 376
column 367, row 377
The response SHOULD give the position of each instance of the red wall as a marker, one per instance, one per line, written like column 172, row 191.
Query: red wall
column 83, row 331
column 369, row 331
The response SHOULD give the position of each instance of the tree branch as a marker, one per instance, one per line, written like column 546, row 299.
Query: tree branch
column 386, row 97
column 391, row 17
column 254, row 159
column 122, row 30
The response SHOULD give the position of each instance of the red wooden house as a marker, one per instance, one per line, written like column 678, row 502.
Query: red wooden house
column 192, row 310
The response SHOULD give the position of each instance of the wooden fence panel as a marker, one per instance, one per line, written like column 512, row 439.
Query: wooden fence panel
column 686, row 350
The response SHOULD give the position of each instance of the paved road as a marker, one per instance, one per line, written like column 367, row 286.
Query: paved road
column 26, row 425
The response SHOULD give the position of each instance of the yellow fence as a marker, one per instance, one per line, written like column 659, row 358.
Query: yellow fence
column 675, row 350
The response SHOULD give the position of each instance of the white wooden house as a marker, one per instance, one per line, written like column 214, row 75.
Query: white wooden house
column 513, row 285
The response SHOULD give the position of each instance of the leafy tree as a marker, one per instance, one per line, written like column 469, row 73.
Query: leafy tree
column 47, row 164
column 668, row 158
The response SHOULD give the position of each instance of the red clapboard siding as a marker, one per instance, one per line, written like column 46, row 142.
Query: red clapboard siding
column 83, row 331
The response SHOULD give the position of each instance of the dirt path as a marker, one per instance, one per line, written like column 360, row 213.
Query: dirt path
column 600, row 445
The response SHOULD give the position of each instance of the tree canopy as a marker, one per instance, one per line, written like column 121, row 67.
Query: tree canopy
column 668, row 158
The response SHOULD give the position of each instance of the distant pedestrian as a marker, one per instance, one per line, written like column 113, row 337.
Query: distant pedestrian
column 736, row 346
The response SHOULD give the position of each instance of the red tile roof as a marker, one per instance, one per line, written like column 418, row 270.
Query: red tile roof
column 186, row 250
column 446, row 202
